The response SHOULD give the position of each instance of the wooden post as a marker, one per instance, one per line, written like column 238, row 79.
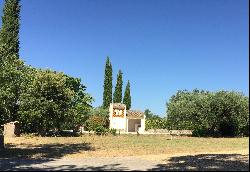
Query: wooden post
column 170, row 132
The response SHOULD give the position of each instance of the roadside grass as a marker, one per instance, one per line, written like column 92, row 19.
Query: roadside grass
column 121, row 145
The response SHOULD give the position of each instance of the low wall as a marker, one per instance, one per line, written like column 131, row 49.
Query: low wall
column 12, row 129
column 172, row 132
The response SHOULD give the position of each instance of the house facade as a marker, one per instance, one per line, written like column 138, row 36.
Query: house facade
column 127, row 121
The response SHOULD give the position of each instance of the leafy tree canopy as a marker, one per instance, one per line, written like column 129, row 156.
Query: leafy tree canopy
column 222, row 113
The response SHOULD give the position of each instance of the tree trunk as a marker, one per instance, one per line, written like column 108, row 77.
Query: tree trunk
column 1, row 142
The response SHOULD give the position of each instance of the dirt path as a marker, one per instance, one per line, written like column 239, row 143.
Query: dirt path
column 187, row 162
column 117, row 164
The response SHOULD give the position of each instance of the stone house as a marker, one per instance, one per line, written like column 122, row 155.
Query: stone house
column 126, row 121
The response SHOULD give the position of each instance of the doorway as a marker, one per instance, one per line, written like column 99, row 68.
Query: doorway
column 133, row 125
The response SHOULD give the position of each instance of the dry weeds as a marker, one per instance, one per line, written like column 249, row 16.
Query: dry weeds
column 152, row 146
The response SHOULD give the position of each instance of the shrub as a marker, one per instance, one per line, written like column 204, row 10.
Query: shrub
column 245, row 130
column 113, row 131
column 100, row 130
column 199, row 132
column 99, row 116
column 157, row 123
column 95, row 121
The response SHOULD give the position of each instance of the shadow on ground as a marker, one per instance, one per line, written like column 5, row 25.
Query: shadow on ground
column 109, row 167
column 43, row 151
column 12, row 156
column 206, row 162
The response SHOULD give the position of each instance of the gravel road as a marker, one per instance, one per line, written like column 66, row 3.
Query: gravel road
column 223, row 162
column 114, row 164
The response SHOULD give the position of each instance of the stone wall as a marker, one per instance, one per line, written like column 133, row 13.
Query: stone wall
column 12, row 129
column 172, row 132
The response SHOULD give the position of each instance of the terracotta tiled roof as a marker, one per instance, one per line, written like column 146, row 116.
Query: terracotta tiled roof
column 132, row 114
column 119, row 106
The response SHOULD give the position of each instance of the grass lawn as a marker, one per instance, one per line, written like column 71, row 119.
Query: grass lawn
column 122, row 145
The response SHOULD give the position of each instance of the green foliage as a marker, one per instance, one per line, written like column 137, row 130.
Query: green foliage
column 113, row 131
column 40, row 99
column 81, row 103
column 100, row 130
column 11, row 77
column 107, row 93
column 9, row 35
column 10, row 65
column 156, row 123
column 221, row 113
column 200, row 132
column 51, row 100
column 150, row 115
column 232, row 112
column 118, row 88
column 100, row 111
column 98, row 117
column 127, row 97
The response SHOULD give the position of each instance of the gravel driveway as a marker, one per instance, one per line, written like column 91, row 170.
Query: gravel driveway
column 115, row 164
column 195, row 162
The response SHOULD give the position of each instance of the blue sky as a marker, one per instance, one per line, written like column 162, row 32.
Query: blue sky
column 160, row 45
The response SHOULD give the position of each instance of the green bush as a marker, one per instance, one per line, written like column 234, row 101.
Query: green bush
column 97, row 118
column 245, row 130
column 157, row 123
column 200, row 132
column 95, row 121
column 113, row 131
column 100, row 130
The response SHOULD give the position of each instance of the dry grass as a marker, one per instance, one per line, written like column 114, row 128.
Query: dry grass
column 123, row 145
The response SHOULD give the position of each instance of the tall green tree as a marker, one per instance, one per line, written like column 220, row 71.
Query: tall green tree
column 107, row 92
column 118, row 88
column 10, row 64
column 53, row 100
column 127, row 96
column 9, row 35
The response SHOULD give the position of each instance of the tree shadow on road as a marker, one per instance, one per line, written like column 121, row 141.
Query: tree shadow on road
column 13, row 156
column 32, row 157
column 109, row 167
column 43, row 151
column 206, row 162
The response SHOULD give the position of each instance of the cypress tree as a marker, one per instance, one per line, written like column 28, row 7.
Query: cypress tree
column 107, row 93
column 10, row 64
column 9, row 35
column 118, row 88
column 127, row 97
